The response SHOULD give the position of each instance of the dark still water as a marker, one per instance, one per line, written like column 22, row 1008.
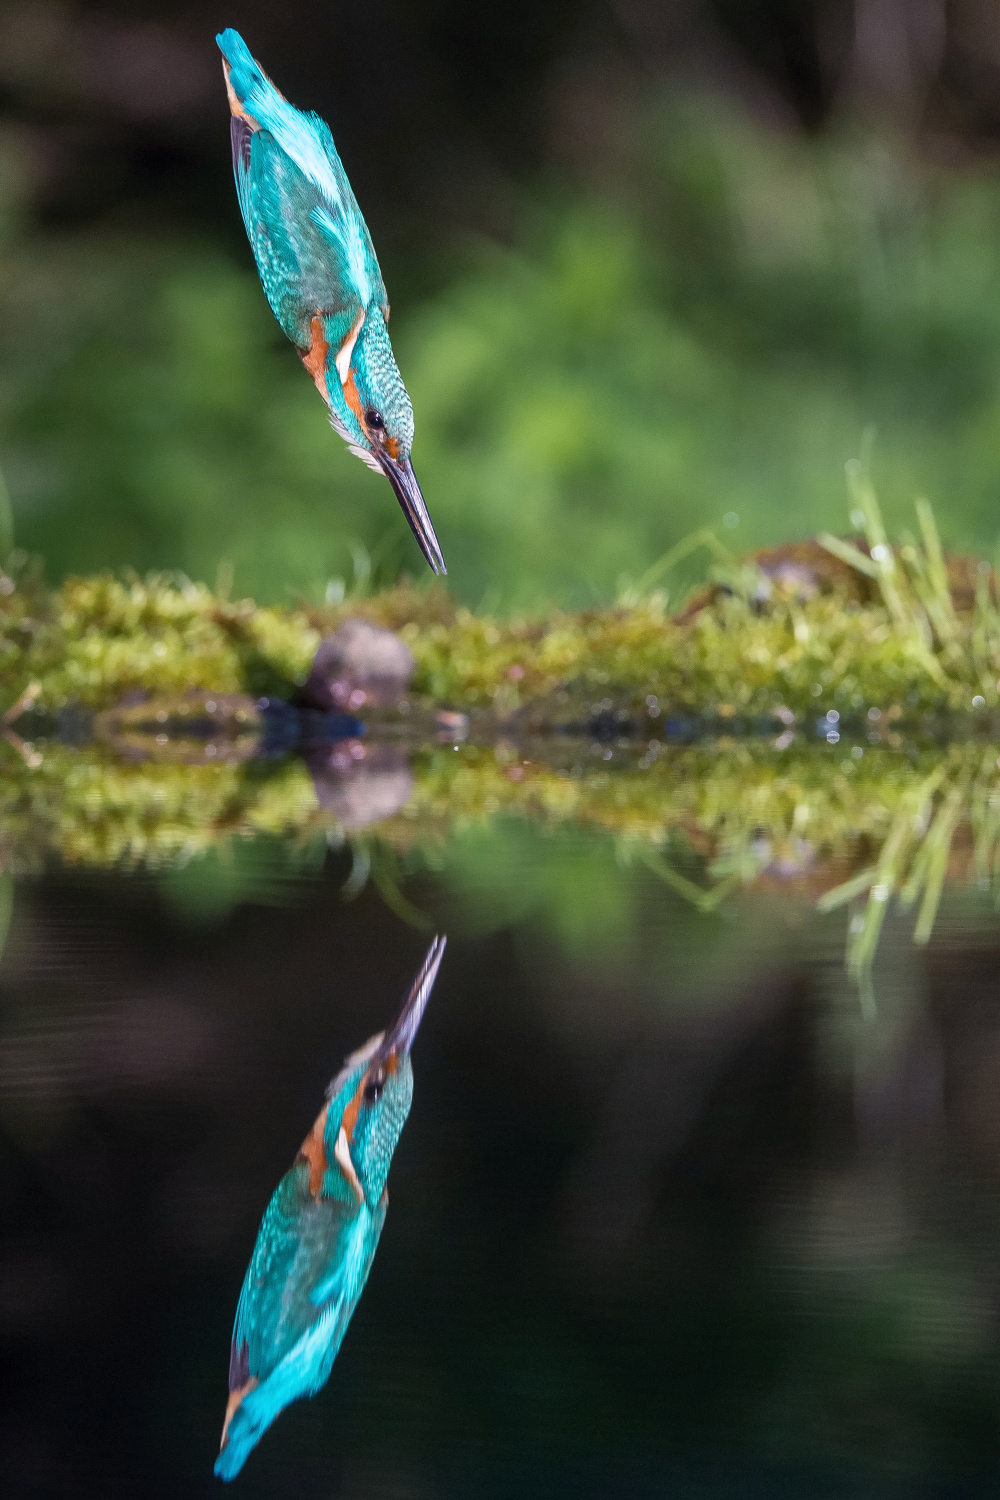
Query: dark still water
column 674, row 1212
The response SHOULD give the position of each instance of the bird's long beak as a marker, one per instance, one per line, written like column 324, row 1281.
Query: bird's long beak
column 403, row 480
column 399, row 1037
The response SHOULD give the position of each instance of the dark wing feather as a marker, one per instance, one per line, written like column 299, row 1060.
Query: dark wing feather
column 239, row 1363
column 241, row 135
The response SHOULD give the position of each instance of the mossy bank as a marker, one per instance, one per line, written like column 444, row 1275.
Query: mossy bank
column 836, row 626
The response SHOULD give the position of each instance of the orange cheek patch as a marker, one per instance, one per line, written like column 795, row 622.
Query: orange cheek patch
column 314, row 1152
column 351, row 396
column 353, row 1110
column 391, row 446
column 315, row 359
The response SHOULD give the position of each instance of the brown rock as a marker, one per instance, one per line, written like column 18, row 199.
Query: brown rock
column 359, row 666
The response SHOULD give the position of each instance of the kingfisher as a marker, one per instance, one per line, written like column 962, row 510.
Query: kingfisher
column 317, row 1239
column 318, row 269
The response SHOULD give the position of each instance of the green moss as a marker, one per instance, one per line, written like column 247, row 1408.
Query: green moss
column 95, row 640
column 884, row 636
column 902, row 646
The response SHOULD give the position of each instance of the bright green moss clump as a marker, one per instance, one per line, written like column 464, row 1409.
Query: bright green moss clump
column 867, row 627
column 95, row 640
column 727, row 660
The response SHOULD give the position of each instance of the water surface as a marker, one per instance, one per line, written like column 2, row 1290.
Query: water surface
column 676, row 1212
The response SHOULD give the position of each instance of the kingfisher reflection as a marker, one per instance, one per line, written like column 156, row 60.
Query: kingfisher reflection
column 318, row 1237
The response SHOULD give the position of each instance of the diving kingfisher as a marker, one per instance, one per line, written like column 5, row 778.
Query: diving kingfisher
column 318, row 269
column 317, row 1239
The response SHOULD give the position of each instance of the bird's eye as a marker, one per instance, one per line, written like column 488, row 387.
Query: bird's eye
column 373, row 1088
column 375, row 420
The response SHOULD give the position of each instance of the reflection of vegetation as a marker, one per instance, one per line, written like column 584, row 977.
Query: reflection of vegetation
column 89, row 809
column 831, row 822
column 842, row 825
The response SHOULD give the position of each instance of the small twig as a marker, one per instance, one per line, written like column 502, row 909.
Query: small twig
column 32, row 759
column 30, row 756
column 21, row 705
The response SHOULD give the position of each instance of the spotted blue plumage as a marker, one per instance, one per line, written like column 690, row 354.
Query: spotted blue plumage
column 320, row 274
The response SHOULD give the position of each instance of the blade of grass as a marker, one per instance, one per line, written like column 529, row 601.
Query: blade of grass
column 940, row 602
column 703, row 537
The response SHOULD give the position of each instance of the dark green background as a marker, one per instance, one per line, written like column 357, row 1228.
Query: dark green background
column 651, row 265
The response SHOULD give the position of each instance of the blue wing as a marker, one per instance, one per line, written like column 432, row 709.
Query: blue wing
column 307, row 1272
column 311, row 244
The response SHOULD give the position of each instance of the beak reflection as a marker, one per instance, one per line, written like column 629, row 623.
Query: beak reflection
column 399, row 1037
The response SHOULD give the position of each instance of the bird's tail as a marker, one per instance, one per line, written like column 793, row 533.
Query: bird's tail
column 246, row 80
column 243, row 1433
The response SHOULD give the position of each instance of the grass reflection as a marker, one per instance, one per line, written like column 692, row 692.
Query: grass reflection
column 819, row 825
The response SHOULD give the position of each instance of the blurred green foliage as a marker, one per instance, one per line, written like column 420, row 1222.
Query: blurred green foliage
column 706, row 337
